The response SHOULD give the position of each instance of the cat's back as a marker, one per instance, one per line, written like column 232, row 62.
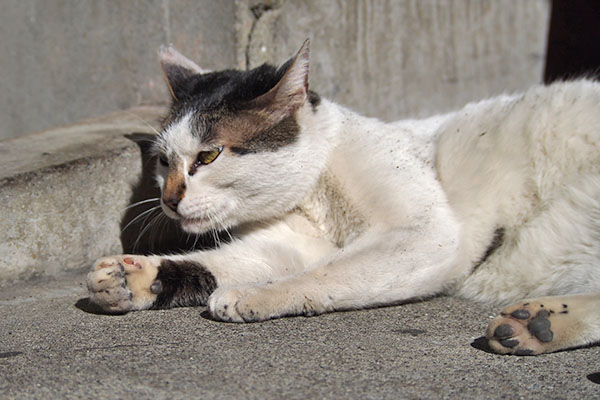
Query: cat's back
column 501, row 159
column 549, row 131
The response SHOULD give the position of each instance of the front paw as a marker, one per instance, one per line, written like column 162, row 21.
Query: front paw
column 122, row 283
column 260, row 303
column 222, row 305
column 248, row 304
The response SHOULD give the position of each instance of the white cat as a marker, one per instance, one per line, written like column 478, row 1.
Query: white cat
column 330, row 210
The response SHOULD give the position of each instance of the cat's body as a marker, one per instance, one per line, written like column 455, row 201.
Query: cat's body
column 330, row 210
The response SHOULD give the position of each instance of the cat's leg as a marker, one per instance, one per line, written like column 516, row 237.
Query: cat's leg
column 129, row 282
column 376, row 270
column 546, row 324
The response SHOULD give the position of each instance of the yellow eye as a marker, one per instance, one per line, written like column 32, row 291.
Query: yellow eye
column 206, row 157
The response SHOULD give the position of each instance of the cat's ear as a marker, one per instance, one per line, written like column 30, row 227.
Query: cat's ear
column 177, row 68
column 291, row 92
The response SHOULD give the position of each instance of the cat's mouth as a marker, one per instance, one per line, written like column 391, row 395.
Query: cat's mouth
column 190, row 224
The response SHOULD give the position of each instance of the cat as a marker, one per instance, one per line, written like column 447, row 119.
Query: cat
column 330, row 210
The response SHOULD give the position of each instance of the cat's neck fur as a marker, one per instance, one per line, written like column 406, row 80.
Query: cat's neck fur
column 328, row 205
column 358, row 154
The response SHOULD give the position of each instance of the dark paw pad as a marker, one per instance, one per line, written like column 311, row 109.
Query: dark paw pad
column 156, row 287
column 540, row 327
column 510, row 343
column 504, row 331
column 520, row 314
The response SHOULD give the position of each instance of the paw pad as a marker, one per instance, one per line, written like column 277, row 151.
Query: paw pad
column 527, row 328
column 122, row 283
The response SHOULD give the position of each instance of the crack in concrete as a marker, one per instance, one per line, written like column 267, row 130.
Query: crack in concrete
column 258, row 11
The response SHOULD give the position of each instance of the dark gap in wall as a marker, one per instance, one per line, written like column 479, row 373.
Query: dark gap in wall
column 573, row 40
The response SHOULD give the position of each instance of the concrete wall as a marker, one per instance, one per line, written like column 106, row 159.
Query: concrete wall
column 393, row 59
column 65, row 60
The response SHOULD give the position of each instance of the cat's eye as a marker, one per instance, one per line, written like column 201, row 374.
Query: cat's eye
column 164, row 161
column 206, row 157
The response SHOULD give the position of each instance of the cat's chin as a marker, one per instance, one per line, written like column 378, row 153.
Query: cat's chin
column 195, row 225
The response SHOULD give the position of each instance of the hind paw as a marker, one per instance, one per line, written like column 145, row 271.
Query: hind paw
column 531, row 327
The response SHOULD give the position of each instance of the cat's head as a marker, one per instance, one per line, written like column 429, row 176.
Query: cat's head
column 234, row 147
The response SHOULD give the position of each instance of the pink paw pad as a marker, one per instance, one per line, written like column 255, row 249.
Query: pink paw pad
column 132, row 262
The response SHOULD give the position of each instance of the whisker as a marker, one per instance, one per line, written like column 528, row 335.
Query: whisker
column 223, row 228
column 164, row 221
column 144, row 121
column 154, row 231
column 141, row 202
column 112, row 216
column 195, row 242
column 148, row 211
column 212, row 229
column 149, row 225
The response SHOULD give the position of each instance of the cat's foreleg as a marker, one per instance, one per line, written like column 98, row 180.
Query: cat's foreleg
column 376, row 270
column 131, row 282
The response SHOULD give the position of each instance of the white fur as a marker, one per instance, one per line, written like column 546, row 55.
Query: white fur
column 358, row 212
column 430, row 191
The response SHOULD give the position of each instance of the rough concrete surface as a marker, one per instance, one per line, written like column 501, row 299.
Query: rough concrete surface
column 63, row 192
column 52, row 349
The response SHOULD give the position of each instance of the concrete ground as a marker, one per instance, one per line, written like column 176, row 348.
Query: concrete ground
column 53, row 347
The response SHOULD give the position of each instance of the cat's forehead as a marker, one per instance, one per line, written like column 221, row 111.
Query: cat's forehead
column 178, row 136
column 191, row 121
column 227, row 88
column 206, row 99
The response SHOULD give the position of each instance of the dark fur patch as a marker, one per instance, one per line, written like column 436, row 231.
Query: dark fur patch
column 497, row 241
column 228, row 89
column 270, row 139
column 183, row 283
column 314, row 99
column 217, row 97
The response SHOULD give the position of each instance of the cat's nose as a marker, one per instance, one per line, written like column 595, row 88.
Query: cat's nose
column 172, row 202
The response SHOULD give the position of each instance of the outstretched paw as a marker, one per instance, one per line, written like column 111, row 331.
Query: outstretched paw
column 532, row 327
column 223, row 304
column 122, row 283
column 247, row 304
column 260, row 303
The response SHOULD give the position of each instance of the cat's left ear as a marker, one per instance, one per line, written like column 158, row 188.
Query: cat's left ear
column 291, row 92
column 177, row 68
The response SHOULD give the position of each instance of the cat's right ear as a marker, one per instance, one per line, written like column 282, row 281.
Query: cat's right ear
column 177, row 68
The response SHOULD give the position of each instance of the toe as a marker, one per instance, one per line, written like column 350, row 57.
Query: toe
column 504, row 331
column 105, row 278
column 520, row 313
